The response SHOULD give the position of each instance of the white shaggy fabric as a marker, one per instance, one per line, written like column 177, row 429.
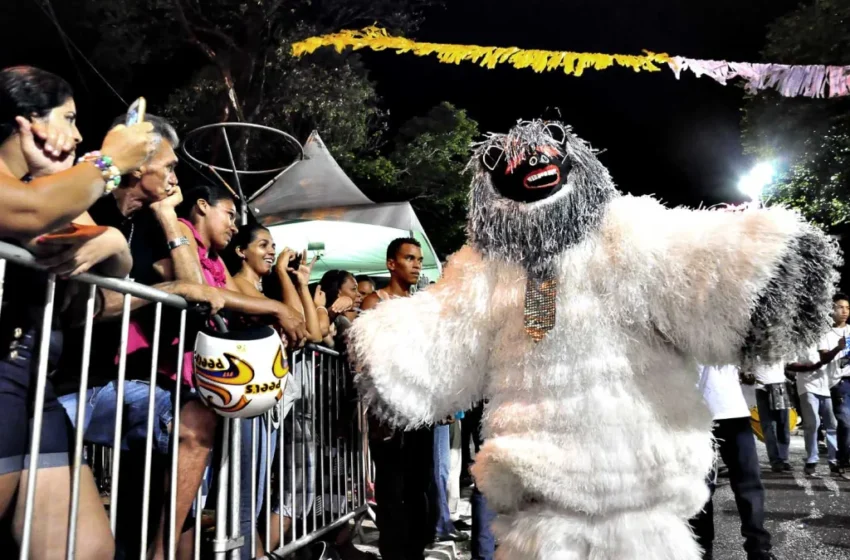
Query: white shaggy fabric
column 598, row 442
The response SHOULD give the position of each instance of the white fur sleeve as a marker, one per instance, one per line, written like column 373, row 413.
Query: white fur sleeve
column 728, row 286
column 424, row 357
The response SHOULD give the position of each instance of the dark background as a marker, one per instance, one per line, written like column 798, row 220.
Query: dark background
column 679, row 140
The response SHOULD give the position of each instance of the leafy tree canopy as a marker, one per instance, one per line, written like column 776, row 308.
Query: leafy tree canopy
column 207, row 61
column 810, row 138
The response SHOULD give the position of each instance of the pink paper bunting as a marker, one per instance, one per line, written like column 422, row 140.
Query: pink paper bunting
column 790, row 81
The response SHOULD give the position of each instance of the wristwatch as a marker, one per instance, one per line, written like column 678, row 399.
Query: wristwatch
column 179, row 242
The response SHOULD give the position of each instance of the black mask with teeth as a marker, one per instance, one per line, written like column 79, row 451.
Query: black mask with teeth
column 537, row 190
column 538, row 176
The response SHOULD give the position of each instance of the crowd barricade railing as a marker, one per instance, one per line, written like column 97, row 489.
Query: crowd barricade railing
column 331, row 451
column 319, row 408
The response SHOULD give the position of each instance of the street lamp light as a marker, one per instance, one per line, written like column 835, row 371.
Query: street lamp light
column 753, row 183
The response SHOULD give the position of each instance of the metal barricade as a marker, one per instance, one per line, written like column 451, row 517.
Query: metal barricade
column 317, row 425
column 326, row 413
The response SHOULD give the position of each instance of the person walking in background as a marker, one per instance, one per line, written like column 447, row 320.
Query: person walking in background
column 774, row 402
column 444, row 529
column 834, row 354
column 470, row 441
column 721, row 389
column 816, row 406
column 455, row 469
column 483, row 541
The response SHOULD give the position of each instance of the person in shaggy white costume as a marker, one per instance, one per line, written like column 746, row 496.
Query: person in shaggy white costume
column 581, row 313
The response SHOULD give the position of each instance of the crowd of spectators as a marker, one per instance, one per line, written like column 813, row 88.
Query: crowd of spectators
column 121, row 212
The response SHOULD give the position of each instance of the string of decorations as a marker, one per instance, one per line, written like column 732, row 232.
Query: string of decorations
column 788, row 80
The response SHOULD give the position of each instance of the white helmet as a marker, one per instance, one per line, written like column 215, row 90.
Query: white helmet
column 241, row 374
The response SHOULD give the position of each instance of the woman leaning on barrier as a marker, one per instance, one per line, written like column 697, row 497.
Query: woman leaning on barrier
column 252, row 259
column 41, row 191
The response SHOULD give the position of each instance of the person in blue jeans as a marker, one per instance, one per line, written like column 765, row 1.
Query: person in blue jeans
column 445, row 529
column 835, row 356
column 483, row 541
column 774, row 403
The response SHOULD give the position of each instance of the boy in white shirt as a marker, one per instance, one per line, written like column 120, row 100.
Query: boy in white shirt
column 834, row 355
column 813, row 387
column 774, row 402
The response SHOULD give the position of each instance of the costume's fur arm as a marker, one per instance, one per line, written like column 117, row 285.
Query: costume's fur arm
column 424, row 357
column 759, row 280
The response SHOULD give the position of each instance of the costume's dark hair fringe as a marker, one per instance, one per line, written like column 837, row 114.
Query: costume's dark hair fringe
column 794, row 309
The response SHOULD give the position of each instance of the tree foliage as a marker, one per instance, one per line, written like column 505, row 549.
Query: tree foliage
column 229, row 60
column 809, row 137
column 425, row 164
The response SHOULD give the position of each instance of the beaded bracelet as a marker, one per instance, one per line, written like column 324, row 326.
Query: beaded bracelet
column 110, row 173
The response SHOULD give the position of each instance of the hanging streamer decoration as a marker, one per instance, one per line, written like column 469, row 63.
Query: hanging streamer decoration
column 788, row 80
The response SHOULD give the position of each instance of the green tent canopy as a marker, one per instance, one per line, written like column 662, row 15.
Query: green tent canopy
column 314, row 205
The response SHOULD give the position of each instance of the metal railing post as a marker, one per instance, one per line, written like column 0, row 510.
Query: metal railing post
column 173, row 528
column 38, row 415
column 235, row 483
column 81, row 423
column 146, row 483
column 222, row 475
column 119, row 415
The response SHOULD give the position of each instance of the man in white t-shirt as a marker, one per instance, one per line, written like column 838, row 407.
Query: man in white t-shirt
column 813, row 388
column 721, row 389
column 773, row 403
column 834, row 355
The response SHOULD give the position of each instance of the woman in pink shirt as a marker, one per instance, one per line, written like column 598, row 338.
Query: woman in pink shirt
column 207, row 224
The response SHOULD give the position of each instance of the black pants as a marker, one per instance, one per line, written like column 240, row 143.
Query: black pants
column 471, row 433
column 737, row 447
column 404, row 491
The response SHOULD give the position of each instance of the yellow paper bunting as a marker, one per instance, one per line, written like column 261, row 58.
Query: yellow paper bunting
column 573, row 63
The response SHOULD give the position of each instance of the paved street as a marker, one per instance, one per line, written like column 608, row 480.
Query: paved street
column 808, row 518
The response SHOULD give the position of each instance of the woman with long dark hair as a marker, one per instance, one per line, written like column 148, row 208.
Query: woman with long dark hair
column 254, row 259
column 41, row 191
column 255, row 253
column 38, row 138
column 340, row 287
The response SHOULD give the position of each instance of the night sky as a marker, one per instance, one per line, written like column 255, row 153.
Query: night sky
column 679, row 140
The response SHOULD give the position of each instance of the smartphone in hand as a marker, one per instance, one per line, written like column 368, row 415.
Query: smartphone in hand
column 136, row 112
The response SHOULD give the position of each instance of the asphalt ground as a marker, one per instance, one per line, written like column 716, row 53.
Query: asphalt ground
column 808, row 518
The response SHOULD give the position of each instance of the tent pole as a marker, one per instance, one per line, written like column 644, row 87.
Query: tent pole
column 244, row 203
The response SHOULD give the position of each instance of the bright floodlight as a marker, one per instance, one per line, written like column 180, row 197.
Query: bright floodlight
column 753, row 183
